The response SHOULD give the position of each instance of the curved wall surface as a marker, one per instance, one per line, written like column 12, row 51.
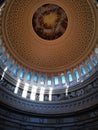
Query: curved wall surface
column 72, row 113
column 48, row 84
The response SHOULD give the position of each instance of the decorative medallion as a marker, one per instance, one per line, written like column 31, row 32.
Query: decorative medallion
column 50, row 21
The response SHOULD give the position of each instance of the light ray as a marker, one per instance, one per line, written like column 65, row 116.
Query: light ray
column 67, row 87
column 24, row 94
column 50, row 94
column 33, row 93
column 41, row 98
column 17, row 86
column 3, row 73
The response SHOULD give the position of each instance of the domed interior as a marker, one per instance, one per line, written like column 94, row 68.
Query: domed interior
column 48, row 65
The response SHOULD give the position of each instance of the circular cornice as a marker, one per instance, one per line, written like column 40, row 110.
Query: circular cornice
column 75, row 102
column 42, row 55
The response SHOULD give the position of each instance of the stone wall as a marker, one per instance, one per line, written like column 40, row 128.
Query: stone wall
column 15, row 120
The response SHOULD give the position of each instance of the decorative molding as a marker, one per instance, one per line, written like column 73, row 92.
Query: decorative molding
column 13, row 119
column 77, row 100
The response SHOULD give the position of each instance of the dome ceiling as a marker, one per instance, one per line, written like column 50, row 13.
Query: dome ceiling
column 46, row 54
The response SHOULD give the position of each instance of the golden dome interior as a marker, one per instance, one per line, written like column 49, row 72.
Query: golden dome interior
column 64, row 60
column 36, row 53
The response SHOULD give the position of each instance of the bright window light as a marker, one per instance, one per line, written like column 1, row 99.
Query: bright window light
column 56, row 80
column 22, row 73
column 50, row 94
column 76, row 73
column 5, row 69
column 33, row 93
column 29, row 75
column 42, row 79
column 16, row 69
column 35, row 77
column 41, row 98
column 3, row 73
column 63, row 79
column 49, row 81
column 17, row 86
column 10, row 65
column 89, row 66
column 24, row 94
column 67, row 87
column 83, row 71
column 70, row 77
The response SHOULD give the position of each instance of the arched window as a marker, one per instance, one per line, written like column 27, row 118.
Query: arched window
column 94, row 60
column 70, row 77
column 22, row 73
column 76, row 73
column 35, row 77
column 16, row 69
column 2, row 50
column 29, row 75
column 56, row 80
column 63, row 79
column 49, row 82
column 88, row 66
column 10, row 65
column 42, row 79
column 83, row 71
column 4, row 58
